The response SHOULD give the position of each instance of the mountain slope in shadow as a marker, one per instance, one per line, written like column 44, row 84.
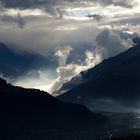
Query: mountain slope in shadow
column 17, row 63
column 27, row 110
column 114, row 82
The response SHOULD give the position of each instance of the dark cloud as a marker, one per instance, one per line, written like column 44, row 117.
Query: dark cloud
column 122, row 3
column 42, row 3
column 96, row 17
column 30, row 3
column 23, row 4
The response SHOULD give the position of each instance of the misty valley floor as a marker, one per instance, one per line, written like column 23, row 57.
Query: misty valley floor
column 124, row 126
column 74, row 135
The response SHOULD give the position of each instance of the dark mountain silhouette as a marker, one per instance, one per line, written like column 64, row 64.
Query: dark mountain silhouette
column 14, row 64
column 115, row 81
column 29, row 110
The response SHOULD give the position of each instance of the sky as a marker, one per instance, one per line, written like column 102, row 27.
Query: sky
column 69, row 35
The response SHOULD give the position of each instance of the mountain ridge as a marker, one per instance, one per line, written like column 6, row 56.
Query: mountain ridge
column 85, row 75
column 110, row 81
column 34, row 110
column 14, row 64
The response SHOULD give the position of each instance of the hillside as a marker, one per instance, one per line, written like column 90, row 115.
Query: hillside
column 111, row 85
column 30, row 110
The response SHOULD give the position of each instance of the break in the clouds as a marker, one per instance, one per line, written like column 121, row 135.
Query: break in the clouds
column 51, row 41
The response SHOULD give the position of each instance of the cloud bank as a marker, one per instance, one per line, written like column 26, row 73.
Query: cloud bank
column 64, row 34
